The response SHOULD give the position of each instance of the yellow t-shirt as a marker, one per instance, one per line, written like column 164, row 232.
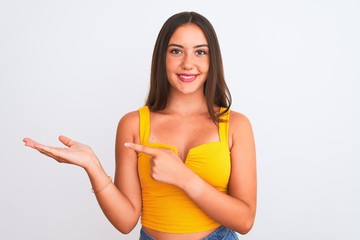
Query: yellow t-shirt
column 167, row 208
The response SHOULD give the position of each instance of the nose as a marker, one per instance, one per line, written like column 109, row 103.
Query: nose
column 187, row 62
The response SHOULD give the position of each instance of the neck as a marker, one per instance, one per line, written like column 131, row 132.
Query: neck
column 187, row 104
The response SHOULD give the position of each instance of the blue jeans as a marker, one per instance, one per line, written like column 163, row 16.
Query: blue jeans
column 222, row 233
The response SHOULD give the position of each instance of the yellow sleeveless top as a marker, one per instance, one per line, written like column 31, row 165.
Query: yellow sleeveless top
column 167, row 208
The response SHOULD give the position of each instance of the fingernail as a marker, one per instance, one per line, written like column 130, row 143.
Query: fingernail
column 127, row 144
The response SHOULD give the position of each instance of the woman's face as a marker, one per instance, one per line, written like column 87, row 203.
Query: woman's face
column 187, row 59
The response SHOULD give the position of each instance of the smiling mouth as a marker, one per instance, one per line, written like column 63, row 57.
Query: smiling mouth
column 187, row 77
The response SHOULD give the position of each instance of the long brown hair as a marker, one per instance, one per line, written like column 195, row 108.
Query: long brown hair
column 215, row 89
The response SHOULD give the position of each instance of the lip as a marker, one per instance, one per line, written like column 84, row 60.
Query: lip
column 186, row 77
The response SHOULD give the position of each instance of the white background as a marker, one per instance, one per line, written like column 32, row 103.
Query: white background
column 75, row 67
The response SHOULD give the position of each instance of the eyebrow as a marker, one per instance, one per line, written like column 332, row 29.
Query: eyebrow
column 180, row 46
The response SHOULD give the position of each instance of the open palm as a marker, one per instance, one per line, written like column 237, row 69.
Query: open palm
column 74, row 153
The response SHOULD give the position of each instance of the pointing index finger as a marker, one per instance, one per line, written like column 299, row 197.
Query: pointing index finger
column 141, row 148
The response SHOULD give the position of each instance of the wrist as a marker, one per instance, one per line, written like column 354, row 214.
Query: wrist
column 98, row 177
column 100, row 189
column 93, row 167
column 191, row 183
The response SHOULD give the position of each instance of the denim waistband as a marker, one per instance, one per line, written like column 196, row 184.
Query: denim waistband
column 145, row 236
column 221, row 233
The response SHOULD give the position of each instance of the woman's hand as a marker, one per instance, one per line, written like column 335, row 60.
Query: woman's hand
column 166, row 166
column 74, row 153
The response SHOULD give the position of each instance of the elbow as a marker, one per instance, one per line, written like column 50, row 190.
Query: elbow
column 246, row 224
column 125, row 224
column 125, row 229
column 246, row 227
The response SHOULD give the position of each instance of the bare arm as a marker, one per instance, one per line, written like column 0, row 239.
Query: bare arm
column 121, row 201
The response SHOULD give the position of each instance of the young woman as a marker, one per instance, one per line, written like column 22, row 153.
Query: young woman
column 185, row 163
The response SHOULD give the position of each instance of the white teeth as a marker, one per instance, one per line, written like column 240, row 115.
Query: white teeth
column 187, row 77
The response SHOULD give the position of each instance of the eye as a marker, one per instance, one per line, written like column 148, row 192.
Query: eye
column 175, row 51
column 200, row 52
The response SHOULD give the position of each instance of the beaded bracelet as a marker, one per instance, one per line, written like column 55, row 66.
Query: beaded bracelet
column 102, row 188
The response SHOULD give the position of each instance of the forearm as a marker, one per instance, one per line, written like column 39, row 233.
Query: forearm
column 223, row 208
column 116, row 206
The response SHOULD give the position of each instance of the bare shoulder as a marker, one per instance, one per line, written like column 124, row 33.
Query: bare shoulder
column 130, row 118
column 239, row 127
column 128, row 126
column 239, row 121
